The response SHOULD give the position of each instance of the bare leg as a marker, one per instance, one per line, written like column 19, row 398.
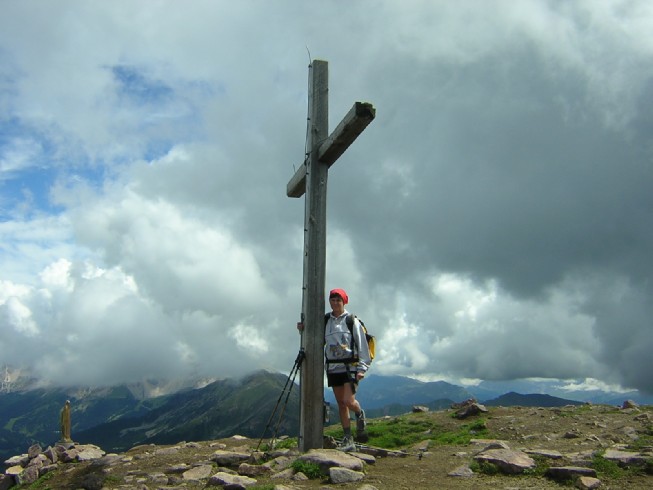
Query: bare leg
column 346, row 401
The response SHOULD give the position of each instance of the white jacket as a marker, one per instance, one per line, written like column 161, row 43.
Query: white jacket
column 337, row 345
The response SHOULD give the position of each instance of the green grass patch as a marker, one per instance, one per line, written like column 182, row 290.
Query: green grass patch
column 288, row 443
column 311, row 470
column 465, row 433
column 406, row 430
column 112, row 479
column 644, row 440
column 610, row 469
column 541, row 466
column 606, row 468
column 484, row 467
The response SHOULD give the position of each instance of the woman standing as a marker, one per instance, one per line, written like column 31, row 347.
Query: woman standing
column 347, row 360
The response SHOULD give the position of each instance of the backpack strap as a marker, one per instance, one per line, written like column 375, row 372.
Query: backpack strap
column 350, row 325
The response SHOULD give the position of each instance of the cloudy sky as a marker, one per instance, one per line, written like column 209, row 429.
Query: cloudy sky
column 495, row 221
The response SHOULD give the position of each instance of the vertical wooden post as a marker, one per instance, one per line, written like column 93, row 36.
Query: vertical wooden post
column 311, row 179
column 313, row 305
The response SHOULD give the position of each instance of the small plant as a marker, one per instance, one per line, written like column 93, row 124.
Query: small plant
column 311, row 470
column 643, row 441
column 484, row 467
column 288, row 443
column 112, row 479
column 606, row 468
column 541, row 466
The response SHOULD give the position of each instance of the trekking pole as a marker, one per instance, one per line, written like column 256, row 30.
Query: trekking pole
column 291, row 379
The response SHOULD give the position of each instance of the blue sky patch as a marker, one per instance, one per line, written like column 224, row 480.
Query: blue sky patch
column 138, row 88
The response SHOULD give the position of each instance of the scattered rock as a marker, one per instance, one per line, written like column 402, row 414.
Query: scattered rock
column 508, row 461
column 176, row 469
column 230, row 481
column 287, row 473
column 328, row 458
column 629, row 404
column 229, row 458
column 198, row 473
column 468, row 408
column 625, row 458
column 420, row 409
column 247, row 469
column 463, row 471
column 572, row 434
column 344, row 475
column 20, row 460
column 33, row 451
column 643, row 417
column 561, row 473
column 28, row 475
column 545, row 453
column 587, row 483
column 6, row 482
column 89, row 453
column 299, row 476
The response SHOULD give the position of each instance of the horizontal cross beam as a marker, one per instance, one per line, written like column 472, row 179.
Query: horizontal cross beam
column 353, row 124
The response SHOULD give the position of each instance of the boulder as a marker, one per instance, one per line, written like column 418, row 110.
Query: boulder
column 229, row 458
column 328, row 458
column 587, row 483
column 625, row 458
column 252, row 470
column 34, row 450
column 343, row 475
column 28, row 475
column 227, row 480
column 89, row 453
column 463, row 471
column 470, row 410
column 629, row 404
column 197, row 473
column 508, row 461
column 20, row 460
column 561, row 473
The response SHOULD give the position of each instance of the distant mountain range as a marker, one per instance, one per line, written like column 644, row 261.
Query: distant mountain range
column 533, row 400
column 487, row 390
column 117, row 418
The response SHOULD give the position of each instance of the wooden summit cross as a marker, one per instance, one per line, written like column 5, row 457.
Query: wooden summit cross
column 311, row 178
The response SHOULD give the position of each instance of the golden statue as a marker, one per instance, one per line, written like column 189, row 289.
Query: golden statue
column 64, row 420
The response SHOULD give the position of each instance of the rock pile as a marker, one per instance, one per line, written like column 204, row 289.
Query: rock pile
column 468, row 408
column 29, row 467
column 235, row 468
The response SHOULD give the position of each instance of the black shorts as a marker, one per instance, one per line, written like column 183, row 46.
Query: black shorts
column 341, row 379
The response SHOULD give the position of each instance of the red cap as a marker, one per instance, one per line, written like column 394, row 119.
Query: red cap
column 341, row 293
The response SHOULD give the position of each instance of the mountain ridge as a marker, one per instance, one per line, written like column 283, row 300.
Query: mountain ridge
column 117, row 418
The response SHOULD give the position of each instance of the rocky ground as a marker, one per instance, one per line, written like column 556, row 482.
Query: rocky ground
column 552, row 437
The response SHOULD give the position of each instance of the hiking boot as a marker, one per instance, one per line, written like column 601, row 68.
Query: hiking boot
column 347, row 444
column 361, row 424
